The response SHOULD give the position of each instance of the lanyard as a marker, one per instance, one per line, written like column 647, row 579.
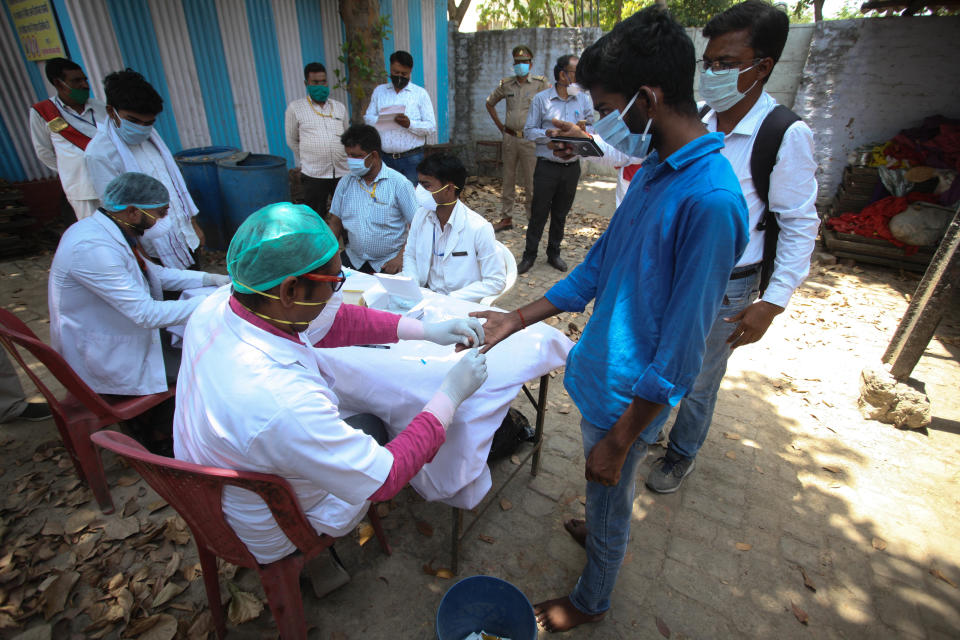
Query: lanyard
column 372, row 192
column 319, row 113
column 435, row 242
column 70, row 112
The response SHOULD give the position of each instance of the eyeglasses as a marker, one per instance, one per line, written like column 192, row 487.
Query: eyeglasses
column 723, row 65
column 337, row 280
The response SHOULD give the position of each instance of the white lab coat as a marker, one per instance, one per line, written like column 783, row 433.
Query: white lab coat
column 248, row 399
column 105, row 315
column 61, row 155
column 470, row 267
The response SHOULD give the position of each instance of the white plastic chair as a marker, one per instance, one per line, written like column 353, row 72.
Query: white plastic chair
column 511, row 264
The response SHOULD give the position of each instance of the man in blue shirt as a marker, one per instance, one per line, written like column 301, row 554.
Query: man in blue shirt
column 656, row 276
column 554, row 179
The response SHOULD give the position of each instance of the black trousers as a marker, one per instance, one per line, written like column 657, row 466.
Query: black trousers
column 317, row 193
column 554, row 188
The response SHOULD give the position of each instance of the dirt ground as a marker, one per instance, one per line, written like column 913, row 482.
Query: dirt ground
column 802, row 519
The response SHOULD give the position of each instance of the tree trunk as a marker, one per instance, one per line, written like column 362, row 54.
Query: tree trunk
column 662, row 3
column 455, row 12
column 817, row 10
column 619, row 11
column 363, row 51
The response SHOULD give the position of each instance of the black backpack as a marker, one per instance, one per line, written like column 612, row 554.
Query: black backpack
column 762, row 158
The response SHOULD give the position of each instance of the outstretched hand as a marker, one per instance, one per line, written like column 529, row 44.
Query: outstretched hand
column 499, row 326
column 752, row 323
column 563, row 150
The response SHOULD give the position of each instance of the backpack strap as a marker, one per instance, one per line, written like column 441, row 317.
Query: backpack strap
column 704, row 110
column 57, row 124
column 762, row 159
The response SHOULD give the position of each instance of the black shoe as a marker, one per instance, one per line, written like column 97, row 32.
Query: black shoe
column 557, row 263
column 525, row 265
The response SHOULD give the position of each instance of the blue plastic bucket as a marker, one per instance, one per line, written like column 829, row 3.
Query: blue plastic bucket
column 250, row 184
column 199, row 169
column 488, row 604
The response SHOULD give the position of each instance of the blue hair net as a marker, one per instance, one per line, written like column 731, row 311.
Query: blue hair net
column 135, row 189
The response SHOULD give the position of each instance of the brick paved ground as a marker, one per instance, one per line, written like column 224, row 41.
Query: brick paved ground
column 791, row 481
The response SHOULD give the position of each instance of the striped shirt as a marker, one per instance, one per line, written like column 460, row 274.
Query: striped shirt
column 419, row 109
column 313, row 134
column 375, row 216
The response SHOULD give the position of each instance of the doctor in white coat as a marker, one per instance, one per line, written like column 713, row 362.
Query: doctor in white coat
column 450, row 248
column 106, row 298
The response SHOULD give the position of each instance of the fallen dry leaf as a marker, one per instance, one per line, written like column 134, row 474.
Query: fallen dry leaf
column 744, row 546
column 202, row 626
column 486, row 538
column 79, row 520
column 170, row 590
column 936, row 573
column 164, row 628
column 662, row 627
column 799, row 613
column 243, row 606
column 131, row 507
column 121, row 528
column 128, row 481
column 424, row 528
column 564, row 409
column 515, row 459
column 807, row 582
column 879, row 544
column 55, row 595
column 156, row 506
column 365, row 532
column 831, row 468
column 115, row 582
column 731, row 436
column 730, row 454
column 172, row 565
column 192, row 571
column 176, row 531
column 505, row 504
column 446, row 574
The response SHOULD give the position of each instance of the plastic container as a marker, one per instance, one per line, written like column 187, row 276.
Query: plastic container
column 249, row 184
column 199, row 169
column 485, row 603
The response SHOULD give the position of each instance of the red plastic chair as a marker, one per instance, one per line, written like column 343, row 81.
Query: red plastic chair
column 195, row 491
column 81, row 411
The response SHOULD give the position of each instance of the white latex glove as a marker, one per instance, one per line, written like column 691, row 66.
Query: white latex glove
column 215, row 280
column 465, row 377
column 465, row 331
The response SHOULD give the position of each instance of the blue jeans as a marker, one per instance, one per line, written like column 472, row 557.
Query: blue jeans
column 406, row 165
column 609, row 511
column 696, row 409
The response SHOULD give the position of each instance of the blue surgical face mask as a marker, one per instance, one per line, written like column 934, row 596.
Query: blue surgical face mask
column 358, row 166
column 617, row 134
column 521, row 68
column 719, row 88
column 134, row 134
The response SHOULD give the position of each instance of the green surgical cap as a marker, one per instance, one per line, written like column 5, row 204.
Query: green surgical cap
column 279, row 240
column 136, row 189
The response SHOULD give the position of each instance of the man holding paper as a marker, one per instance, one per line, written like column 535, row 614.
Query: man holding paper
column 403, row 114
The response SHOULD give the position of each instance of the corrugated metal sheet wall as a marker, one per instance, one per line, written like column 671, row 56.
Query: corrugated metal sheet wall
column 226, row 68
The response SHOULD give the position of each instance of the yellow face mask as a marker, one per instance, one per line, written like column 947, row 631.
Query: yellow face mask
column 442, row 204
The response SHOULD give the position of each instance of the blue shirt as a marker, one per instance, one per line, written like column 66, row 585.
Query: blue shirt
column 548, row 105
column 657, row 277
column 375, row 216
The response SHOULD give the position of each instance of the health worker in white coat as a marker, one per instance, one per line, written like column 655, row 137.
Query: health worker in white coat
column 450, row 248
column 254, row 391
column 106, row 298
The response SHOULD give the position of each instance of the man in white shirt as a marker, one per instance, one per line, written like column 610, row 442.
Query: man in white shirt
column 405, row 135
column 313, row 126
column 745, row 43
column 61, row 127
column 372, row 206
column 106, row 300
column 126, row 141
column 450, row 248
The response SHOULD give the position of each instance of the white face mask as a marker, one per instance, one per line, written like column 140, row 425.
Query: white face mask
column 425, row 199
column 158, row 230
column 574, row 89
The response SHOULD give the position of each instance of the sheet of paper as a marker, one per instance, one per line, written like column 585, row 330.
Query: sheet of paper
column 385, row 121
column 403, row 287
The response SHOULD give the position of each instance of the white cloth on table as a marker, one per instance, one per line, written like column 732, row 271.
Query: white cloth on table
column 107, row 156
column 395, row 383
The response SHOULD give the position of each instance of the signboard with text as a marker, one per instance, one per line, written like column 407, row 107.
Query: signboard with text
column 36, row 26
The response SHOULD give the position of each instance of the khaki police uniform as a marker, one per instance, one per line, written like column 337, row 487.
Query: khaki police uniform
column 517, row 153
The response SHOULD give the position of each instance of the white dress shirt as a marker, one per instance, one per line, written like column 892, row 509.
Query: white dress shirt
column 548, row 106
column 375, row 216
column 793, row 194
column 460, row 260
column 313, row 134
column 61, row 155
column 271, row 410
column 104, row 164
column 105, row 313
column 419, row 110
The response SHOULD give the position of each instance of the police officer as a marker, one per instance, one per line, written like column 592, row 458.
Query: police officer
column 518, row 153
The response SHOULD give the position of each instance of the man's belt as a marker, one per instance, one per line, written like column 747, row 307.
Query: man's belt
column 55, row 122
column 745, row 272
column 404, row 154
column 513, row 132
column 559, row 163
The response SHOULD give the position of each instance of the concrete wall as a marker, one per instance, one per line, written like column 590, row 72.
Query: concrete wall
column 482, row 59
column 866, row 79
